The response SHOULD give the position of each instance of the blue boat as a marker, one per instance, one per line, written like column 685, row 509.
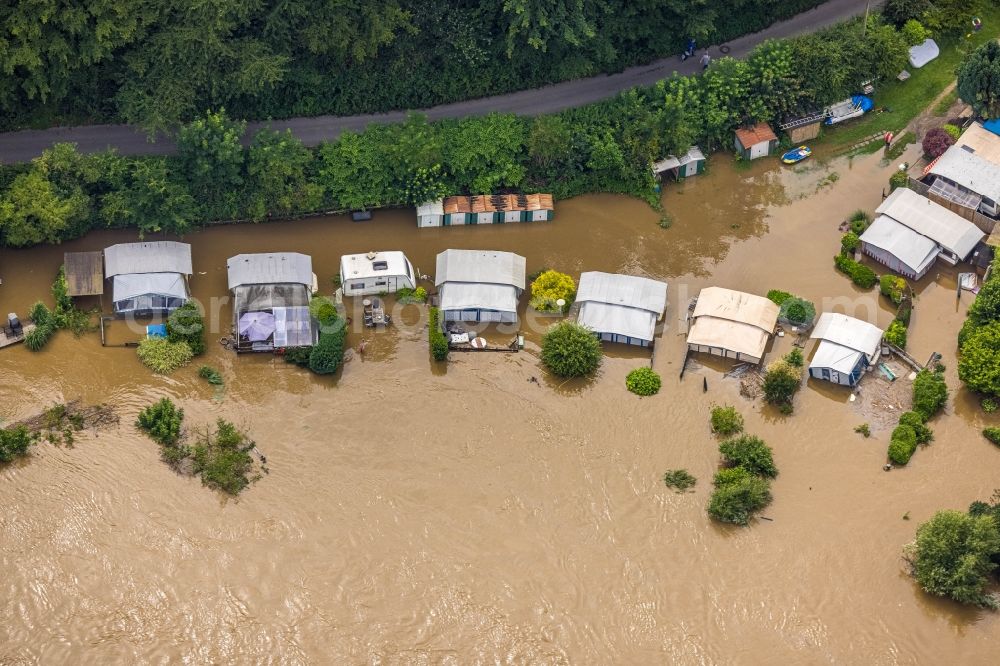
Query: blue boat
column 796, row 154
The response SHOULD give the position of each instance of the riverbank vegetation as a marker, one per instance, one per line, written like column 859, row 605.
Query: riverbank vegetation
column 783, row 380
column 726, row 420
column 603, row 147
column 742, row 487
column 57, row 425
column 161, row 63
column 679, row 479
column 65, row 315
column 955, row 554
column 570, row 350
column 220, row 455
column 163, row 356
column 14, row 443
column 436, row 337
column 930, row 394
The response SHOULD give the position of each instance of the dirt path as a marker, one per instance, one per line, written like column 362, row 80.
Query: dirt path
column 130, row 140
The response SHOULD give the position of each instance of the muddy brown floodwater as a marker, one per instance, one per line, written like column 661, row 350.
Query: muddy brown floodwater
column 415, row 516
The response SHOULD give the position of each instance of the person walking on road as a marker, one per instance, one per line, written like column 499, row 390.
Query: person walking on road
column 705, row 61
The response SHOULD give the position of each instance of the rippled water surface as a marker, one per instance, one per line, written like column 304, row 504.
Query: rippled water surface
column 415, row 515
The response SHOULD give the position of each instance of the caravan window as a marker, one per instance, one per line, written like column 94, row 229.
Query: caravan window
column 380, row 265
column 358, row 285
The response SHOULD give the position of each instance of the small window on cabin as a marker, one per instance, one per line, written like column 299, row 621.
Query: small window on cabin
column 379, row 283
column 380, row 265
column 358, row 285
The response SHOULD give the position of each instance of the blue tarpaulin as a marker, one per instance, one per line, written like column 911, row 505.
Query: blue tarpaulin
column 993, row 125
column 156, row 331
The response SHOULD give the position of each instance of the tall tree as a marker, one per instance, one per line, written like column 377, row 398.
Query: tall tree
column 277, row 169
column 212, row 158
column 979, row 80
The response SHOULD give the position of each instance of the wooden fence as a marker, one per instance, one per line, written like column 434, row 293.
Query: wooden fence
column 984, row 223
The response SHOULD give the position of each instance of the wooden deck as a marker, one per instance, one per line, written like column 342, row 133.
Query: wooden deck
column 84, row 273
column 7, row 339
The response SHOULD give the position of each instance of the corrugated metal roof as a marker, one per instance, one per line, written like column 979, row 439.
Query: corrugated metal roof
column 737, row 306
column 835, row 357
column 848, row 332
column 153, row 257
column 949, row 230
column 606, row 318
column 363, row 265
column 481, row 266
column 970, row 171
column 142, row 284
column 489, row 203
column 274, row 268
column 478, row 296
column 732, row 335
column 913, row 249
column 624, row 290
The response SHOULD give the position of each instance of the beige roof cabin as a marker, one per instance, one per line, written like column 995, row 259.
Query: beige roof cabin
column 732, row 324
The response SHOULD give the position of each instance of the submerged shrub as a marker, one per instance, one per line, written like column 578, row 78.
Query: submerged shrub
column 849, row 243
column 778, row 297
column 726, row 421
column 739, row 499
column 750, row 453
column 211, row 375
column 954, row 555
column 298, row 355
column 162, row 356
column 897, row 180
column 185, row 324
column 570, row 350
column 325, row 356
column 902, row 444
column 436, row 337
column 979, row 361
column 992, row 434
column 920, row 429
column 781, row 381
column 162, row 422
column 863, row 430
column 406, row 295
column 860, row 274
column 679, row 479
column 797, row 311
column 892, row 287
column 14, row 443
column 39, row 336
column 223, row 458
column 895, row 335
column 795, row 358
column 859, row 221
column 643, row 381
column 930, row 393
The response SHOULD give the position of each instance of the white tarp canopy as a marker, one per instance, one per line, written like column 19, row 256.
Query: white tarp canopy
column 478, row 296
column 843, row 340
column 480, row 266
column 270, row 268
column 911, row 248
column 923, row 53
column 292, row 327
column 154, row 257
column 733, row 320
column 928, row 218
column 142, row 284
column 605, row 318
column 963, row 167
column 622, row 304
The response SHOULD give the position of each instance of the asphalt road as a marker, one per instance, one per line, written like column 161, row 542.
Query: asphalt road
column 24, row 145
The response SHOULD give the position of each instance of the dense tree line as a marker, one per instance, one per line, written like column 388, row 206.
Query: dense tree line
column 161, row 62
column 607, row 146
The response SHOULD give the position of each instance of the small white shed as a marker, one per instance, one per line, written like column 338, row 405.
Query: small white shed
column 430, row 214
column 621, row 308
column 376, row 273
column 847, row 346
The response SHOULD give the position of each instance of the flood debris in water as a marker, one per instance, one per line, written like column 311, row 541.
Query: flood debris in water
column 59, row 423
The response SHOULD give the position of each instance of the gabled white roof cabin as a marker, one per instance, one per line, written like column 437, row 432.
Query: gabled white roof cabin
column 621, row 308
column 148, row 278
column 479, row 285
column 732, row 324
column 847, row 346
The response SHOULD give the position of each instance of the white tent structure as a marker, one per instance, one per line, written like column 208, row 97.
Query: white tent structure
column 847, row 347
column 148, row 278
column 277, row 284
column 376, row 273
column 479, row 285
column 621, row 308
column 923, row 53
column 911, row 231
column 732, row 324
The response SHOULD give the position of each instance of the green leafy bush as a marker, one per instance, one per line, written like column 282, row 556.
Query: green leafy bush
column 896, row 334
column 860, row 220
column 992, row 434
column 930, row 393
column 902, row 444
column 920, row 429
column 549, row 287
column 778, row 297
column 738, row 501
column 186, row 325
column 728, row 475
column 406, row 295
column 162, row 422
column 726, row 421
column 323, row 310
column 797, row 311
column 211, row 375
column 222, row 458
column 898, row 179
column 679, row 479
column 893, row 288
column 38, row 337
column 979, row 361
column 860, row 274
column 849, row 243
column 14, row 443
column 570, row 350
column 953, row 131
column 298, row 355
column 643, row 381
column 904, row 310
column 989, row 405
column 863, row 430
column 750, row 453
column 781, row 381
column 436, row 337
column 795, row 358
column 954, row 555
column 162, row 356
column 326, row 355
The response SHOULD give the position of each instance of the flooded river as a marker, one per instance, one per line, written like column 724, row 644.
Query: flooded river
column 471, row 515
